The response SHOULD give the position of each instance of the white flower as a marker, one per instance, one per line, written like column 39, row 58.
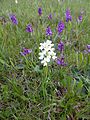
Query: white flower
column 16, row 1
column 47, row 52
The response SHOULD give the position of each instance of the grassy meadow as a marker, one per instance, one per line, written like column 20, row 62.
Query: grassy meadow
column 57, row 91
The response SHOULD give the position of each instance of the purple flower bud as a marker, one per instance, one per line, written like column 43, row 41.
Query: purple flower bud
column 80, row 18
column 25, row 51
column 29, row 28
column 85, row 52
column 61, row 46
column 68, row 15
column 48, row 31
column 88, row 50
column 60, row 27
column 14, row 19
column 60, row 61
column 40, row 11
column 50, row 17
column 88, row 46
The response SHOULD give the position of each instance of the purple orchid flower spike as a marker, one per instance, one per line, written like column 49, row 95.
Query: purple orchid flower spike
column 14, row 19
column 26, row 51
column 61, row 46
column 50, row 17
column 88, row 46
column 40, row 11
column 29, row 28
column 80, row 18
column 60, row 27
column 48, row 31
column 68, row 15
column 60, row 61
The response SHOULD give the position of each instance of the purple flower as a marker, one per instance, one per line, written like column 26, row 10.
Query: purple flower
column 60, row 27
column 25, row 51
column 61, row 46
column 14, row 19
column 60, row 61
column 87, row 50
column 88, row 46
column 80, row 18
column 50, row 17
column 29, row 28
column 48, row 31
column 68, row 15
column 40, row 11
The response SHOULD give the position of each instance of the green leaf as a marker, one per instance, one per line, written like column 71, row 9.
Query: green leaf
column 3, row 62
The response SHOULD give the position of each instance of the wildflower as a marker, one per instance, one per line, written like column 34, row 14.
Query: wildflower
column 40, row 11
column 80, row 18
column 68, row 16
column 60, row 61
column 47, row 52
column 50, row 17
column 48, row 31
column 85, row 52
column 16, row 1
column 14, row 19
column 61, row 46
column 29, row 28
column 88, row 48
column 26, row 51
column 60, row 27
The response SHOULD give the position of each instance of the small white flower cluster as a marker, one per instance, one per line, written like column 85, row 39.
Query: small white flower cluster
column 47, row 52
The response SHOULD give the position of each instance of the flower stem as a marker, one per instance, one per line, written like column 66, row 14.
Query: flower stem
column 44, row 82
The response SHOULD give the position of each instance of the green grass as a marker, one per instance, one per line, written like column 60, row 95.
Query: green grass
column 29, row 91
